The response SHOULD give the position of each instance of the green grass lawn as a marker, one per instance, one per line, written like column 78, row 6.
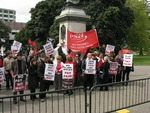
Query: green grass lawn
column 141, row 60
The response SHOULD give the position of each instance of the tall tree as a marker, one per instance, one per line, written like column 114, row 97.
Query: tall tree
column 138, row 38
column 112, row 19
column 4, row 35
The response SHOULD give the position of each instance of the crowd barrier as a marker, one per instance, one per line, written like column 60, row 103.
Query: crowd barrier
column 118, row 96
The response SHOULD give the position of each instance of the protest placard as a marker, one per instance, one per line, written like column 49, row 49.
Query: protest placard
column 113, row 68
column 20, row 82
column 1, row 75
column 48, row 48
column 67, row 71
column 109, row 48
column 49, row 72
column 90, row 67
column 127, row 60
column 15, row 48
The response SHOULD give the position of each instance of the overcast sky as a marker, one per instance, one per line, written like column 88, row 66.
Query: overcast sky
column 22, row 8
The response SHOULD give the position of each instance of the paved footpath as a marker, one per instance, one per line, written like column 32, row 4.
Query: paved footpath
column 139, row 73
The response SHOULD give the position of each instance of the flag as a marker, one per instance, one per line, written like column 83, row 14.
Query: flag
column 124, row 51
column 82, row 41
column 30, row 42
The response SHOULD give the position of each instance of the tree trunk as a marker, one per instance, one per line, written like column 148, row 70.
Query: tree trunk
column 141, row 51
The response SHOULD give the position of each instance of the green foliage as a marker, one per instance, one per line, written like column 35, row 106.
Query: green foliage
column 112, row 20
column 110, row 17
column 138, row 33
column 4, row 33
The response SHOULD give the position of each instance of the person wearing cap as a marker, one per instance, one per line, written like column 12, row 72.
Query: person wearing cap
column 7, row 66
column 62, row 51
column 18, row 67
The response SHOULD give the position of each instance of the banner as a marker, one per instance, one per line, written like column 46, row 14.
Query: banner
column 49, row 73
column 125, row 51
column 15, row 48
column 20, row 82
column 113, row 68
column 109, row 48
column 82, row 41
column 127, row 60
column 49, row 48
column 1, row 75
column 90, row 67
column 67, row 71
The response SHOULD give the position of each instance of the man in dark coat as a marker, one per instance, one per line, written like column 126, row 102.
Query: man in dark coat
column 18, row 67
column 41, row 69
column 62, row 51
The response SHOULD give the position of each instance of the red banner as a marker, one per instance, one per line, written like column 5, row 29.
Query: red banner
column 82, row 41
column 124, row 51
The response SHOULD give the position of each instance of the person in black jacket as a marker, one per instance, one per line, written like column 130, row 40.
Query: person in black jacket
column 62, row 51
column 33, row 78
column 41, row 69
column 105, row 68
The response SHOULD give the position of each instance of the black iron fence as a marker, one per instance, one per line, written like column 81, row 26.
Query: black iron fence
column 119, row 95
column 55, row 102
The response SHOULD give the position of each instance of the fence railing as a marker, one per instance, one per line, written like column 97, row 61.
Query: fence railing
column 55, row 102
column 118, row 96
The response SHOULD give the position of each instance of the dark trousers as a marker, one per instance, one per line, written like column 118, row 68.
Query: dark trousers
column 8, row 80
column 104, row 81
column 88, row 80
column 15, row 93
column 42, row 89
column 32, row 97
column 126, row 73
column 58, row 81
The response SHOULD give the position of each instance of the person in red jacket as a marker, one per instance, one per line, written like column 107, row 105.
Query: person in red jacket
column 68, row 83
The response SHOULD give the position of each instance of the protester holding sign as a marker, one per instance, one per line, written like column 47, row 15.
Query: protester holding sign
column 128, row 66
column 69, row 73
column 18, row 67
column 33, row 78
column 89, row 69
column 58, row 73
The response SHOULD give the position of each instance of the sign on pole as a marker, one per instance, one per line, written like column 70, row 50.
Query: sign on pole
column 15, row 48
column 49, row 48
column 49, row 72
column 109, row 48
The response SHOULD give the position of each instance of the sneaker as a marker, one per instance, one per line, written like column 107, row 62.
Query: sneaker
column 42, row 100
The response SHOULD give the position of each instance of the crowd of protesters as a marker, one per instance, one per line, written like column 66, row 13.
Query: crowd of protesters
column 34, row 66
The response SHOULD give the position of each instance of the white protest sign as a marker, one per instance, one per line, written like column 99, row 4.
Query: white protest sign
column 49, row 48
column 67, row 71
column 49, row 72
column 109, row 48
column 1, row 75
column 113, row 68
column 127, row 60
column 90, row 67
column 15, row 48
